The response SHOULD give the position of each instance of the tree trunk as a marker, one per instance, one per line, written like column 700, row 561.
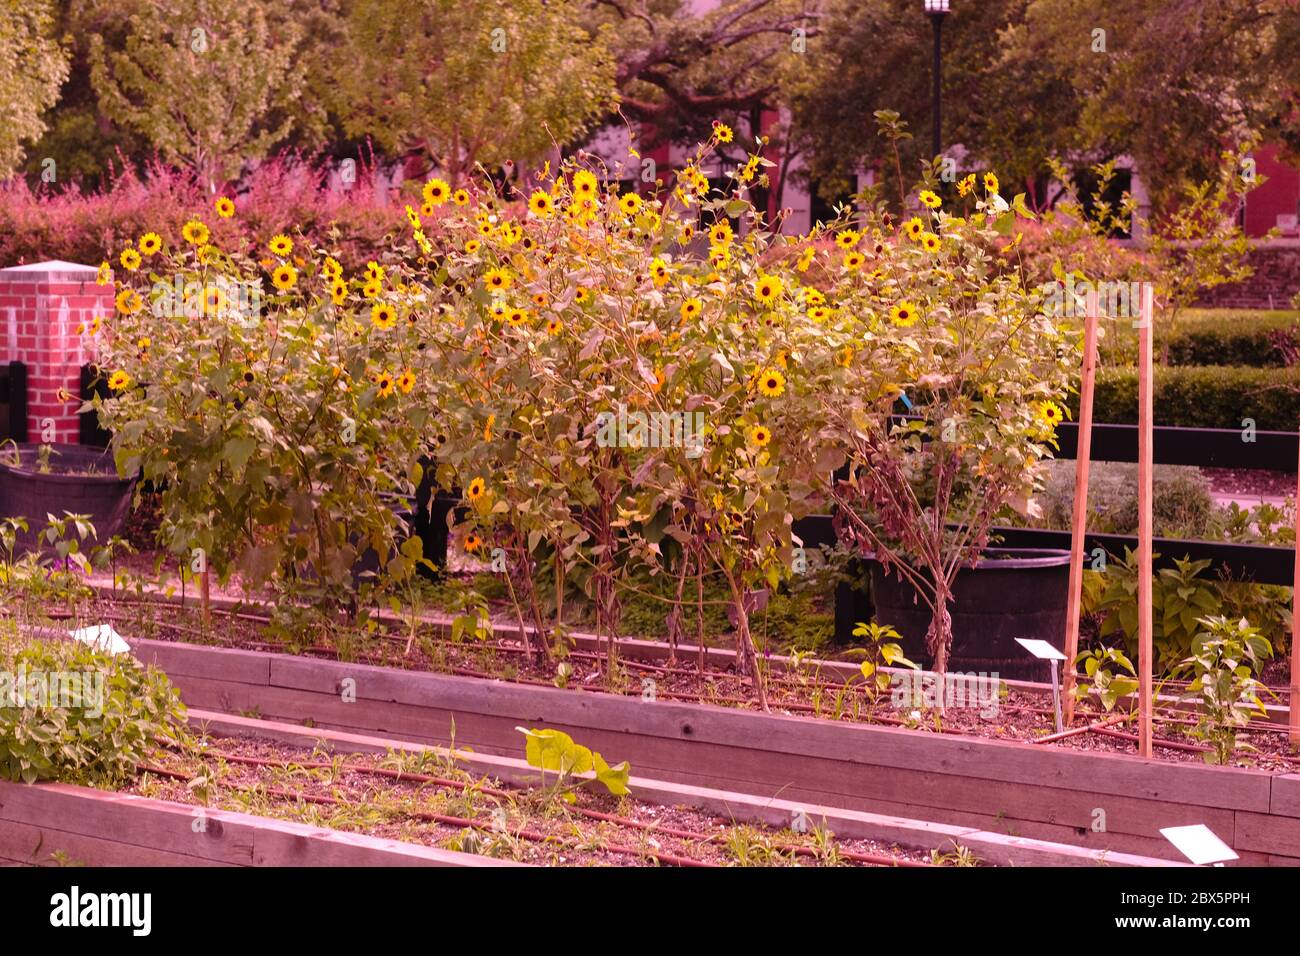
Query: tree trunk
column 938, row 638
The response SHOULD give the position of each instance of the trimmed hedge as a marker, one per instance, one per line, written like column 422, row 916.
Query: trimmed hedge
column 1209, row 337
column 1239, row 339
column 1202, row 397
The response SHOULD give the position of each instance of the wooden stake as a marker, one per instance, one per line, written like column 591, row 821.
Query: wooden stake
column 1293, row 702
column 1146, row 407
column 207, row 603
column 1079, row 526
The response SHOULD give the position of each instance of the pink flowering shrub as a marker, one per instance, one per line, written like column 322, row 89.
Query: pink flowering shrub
column 77, row 226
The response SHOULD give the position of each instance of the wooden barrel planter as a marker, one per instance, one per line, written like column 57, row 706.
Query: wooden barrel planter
column 68, row 478
column 1008, row 594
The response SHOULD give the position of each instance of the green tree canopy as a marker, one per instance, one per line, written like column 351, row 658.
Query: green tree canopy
column 209, row 84
column 1170, row 84
column 461, row 82
column 32, row 67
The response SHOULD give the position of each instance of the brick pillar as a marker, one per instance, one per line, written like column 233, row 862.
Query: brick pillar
column 41, row 306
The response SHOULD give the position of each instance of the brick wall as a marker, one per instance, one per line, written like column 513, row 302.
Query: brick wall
column 41, row 307
column 1275, row 282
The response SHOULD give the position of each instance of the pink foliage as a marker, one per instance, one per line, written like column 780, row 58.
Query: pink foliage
column 285, row 194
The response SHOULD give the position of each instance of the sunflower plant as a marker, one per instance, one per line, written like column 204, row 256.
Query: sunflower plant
column 613, row 393
column 268, row 397
column 955, row 380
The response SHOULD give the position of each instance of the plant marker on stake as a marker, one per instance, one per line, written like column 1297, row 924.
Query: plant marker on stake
column 1079, row 525
column 1146, row 407
column 1046, row 652
column 1199, row 844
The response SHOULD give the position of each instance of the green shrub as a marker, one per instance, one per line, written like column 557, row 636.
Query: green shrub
column 1205, row 337
column 1250, row 344
column 107, row 718
column 1202, row 397
column 1182, row 508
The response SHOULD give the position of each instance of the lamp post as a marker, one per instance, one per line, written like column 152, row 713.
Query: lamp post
column 936, row 10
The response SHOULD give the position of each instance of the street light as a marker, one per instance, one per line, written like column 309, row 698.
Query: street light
column 936, row 10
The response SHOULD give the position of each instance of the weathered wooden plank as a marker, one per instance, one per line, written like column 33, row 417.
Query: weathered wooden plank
column 178, row 658
column 1267, row 833
column 127, row 819
column 225, row 836
column 35, row 845
column 1286, row 795
column 1011, row 762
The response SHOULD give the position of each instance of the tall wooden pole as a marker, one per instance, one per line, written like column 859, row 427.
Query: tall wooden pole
column 1146, row 407
column 1293, row 701
column 1079, row 526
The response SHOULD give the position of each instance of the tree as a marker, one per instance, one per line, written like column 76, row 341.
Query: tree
column 678, row 69
column 32, row 67
column 462, row 82
column 209, row 85
column 1169, row 83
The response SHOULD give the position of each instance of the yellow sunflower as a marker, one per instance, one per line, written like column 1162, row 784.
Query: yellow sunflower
column 854, row 261
column 771, row 383
column 848, row 238
column 473, row 246
column 406, row 382
column 436, row 192
column 691, row 309
column 150, row 243
column 385, row 383
column 338, row 292
column 129, row 302
column 659, row 271
column 904, row 314
column 383, row 316
column 929, row 199
column 768, row 289
column 473, row 542
column 720, row 234
column 930, row 242
column 460, row 197
column 1049, row 413
column 498, row 280
column 374, row 271
column 722, row 132
column 477, row 488
column 554, row 326
column 284, row 277
column 630, row 203
column 758, row 437
column 540, row 203
column 214, row 300
column 280, row 244
column 195, row 232
column 119, row 380
column 584, row 184
column 225, row 207
column 130, row 259
column 990, row 183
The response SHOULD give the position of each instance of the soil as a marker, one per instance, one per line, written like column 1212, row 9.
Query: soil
column 1018, row 715
column 530, row 826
